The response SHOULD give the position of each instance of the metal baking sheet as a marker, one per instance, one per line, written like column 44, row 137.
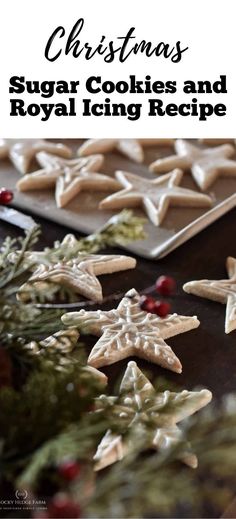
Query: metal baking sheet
column 82, row 214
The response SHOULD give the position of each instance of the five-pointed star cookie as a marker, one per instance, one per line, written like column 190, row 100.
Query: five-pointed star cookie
column 153, row 417
column 78, row 274
column 154, row 196
column 64, row 340
column 223, row 290
column 69, row 177
column 128, row 331
column 22, row 151
column 206, row 165
column 132, row 148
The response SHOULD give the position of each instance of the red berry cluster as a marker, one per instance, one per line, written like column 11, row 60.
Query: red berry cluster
column 165, row 286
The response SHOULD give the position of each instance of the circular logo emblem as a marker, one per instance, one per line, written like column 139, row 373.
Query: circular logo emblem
column 21, row 494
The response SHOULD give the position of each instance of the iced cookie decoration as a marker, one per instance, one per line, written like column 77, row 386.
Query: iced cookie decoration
column 65, row 341
column 128, row 331
column 68, row 177
column 131, row 148
column 154, row 196
column 206, row 165
column 153, row 417
column 79, row 274
column 21, row 152
column 223, row 291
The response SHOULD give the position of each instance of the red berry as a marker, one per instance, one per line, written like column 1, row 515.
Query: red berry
column 147, row 304
column 165, row 285
column 69, row 470
column 162, row 308
column 61, row 507
column 6, row 196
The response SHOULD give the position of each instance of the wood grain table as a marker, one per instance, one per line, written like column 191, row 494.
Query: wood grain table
column 207, row 354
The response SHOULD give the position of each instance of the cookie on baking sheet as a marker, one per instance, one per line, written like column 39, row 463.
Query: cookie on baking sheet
column 223, row 291
column 131, row 148
column 153, row 416
column 155, row 196
column 79, row 274
column 22, row 151
column 206, row 165
column 128, row 331
column 68, row 177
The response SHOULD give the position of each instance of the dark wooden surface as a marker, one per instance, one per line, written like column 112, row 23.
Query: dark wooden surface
column 207, row 354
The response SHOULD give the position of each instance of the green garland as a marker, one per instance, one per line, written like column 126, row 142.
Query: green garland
column 20, row 320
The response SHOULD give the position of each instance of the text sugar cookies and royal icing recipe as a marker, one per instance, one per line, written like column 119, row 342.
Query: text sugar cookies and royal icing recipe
column 96, row 85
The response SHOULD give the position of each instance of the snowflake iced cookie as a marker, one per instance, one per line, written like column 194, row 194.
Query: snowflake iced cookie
column 155, row 196
column 22, row 151
column 131, row 148
column 223, row 291
column 206, row 165
column 128, row 331
column 68, row 177
column 79, row 274
column 152, row 415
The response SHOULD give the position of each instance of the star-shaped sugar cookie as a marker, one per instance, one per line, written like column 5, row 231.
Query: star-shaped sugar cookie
column 223, row 291
column 131, row 148
column 22, row 151
column 64, row 340
column 152, row 416
column 155, row 196
column 128, row 331
column 79, row 274
column 206, row 165
column 69, row 177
